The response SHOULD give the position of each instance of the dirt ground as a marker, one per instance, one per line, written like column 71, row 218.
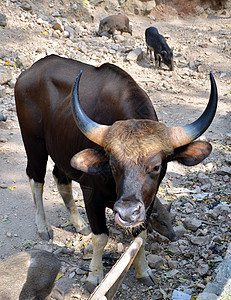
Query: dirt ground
column 201, row 44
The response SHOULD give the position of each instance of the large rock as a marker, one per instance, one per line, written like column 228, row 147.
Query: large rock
column 135, row 55
column 139, row 6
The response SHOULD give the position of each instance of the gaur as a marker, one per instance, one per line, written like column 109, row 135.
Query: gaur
column 103, row 132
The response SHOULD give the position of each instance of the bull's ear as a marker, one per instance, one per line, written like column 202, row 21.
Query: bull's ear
column 89, row 161
column 192, row 154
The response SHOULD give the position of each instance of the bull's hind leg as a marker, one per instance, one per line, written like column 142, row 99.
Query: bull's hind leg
column 44, row 229
column 64, row 186
column 36, row 168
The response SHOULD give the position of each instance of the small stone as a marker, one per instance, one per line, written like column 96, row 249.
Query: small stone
column 172, row 264
column 202, row 267
column 2, row 20
column 79, row 271
column 155, row 261
column 200, row 240
column 155, row 247
column 224, row 171
column 174, row 248
column 120, row 247
column 204, row 179
column 5, row 75
column 71, row 275
column 9, row 234
column 124, row 286
column 206, row 296
column 58, row 26
column 66, row 34
column 26, row 6
column 3, row 117
column 192, row 223
column 179, row 295
column 223, row 210
column 3, row 186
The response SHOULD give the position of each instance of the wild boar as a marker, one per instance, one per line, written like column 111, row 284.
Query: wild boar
column 156, row 42
column 30, row 275
column 161, row 220
column 115, row 22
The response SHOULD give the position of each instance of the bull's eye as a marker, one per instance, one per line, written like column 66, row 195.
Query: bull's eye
column 156, row 168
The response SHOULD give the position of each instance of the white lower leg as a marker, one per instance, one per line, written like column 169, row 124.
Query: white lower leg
column 140, row 262
column 96, row 266
column 75, row 218
column 44, row 229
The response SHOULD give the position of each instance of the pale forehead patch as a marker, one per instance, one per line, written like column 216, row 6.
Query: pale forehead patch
column 133, row 139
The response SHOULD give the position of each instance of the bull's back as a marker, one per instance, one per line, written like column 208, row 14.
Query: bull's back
column 43, row 102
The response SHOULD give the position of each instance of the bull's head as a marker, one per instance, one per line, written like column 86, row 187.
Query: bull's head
column 137, row 151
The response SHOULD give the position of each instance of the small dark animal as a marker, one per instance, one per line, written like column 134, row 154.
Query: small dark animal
column 156, row 42
column 29, row 275
column 115, row 22
column 161, row 220
column 119, row 164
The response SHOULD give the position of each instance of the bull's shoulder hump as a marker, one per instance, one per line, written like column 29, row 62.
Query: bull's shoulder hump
column 108, row 69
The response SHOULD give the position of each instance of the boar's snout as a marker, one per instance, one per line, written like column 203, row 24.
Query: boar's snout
column 172, row 237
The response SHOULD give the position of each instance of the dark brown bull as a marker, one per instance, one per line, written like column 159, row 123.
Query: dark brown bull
column 119, row 164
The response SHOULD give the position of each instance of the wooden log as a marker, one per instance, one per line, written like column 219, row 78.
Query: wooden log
column 109, row 285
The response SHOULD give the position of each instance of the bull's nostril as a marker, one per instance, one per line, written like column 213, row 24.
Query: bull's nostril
column 136, row 212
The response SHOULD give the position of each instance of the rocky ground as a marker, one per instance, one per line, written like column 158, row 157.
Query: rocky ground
column 200, row 195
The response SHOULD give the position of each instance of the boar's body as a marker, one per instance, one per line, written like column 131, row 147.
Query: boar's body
column 156, row 42
column 115, row 22
column 29, row 275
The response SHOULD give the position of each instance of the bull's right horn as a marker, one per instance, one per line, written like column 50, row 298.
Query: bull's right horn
column 92, row 130
column 181, row 136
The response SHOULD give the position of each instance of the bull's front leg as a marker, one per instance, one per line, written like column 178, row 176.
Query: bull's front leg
column 95, row 276
column 75, row 218
column 44, row 229
column 143, row 271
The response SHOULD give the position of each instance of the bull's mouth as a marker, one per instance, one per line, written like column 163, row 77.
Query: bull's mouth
column 123, row 223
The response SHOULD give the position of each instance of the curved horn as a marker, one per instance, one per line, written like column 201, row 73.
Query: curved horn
column 181, row 136
column 92, row 130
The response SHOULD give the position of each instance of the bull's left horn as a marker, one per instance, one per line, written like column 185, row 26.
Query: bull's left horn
column 181, row 136
column 92, row 130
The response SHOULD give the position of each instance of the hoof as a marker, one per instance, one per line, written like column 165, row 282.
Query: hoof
column 57, row 294
column 90, row 286
column 148, row 280
column 93, row 280
column 46, row 235
column 85, row 231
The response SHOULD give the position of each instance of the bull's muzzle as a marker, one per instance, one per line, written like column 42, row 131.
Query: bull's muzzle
column 129, row 213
